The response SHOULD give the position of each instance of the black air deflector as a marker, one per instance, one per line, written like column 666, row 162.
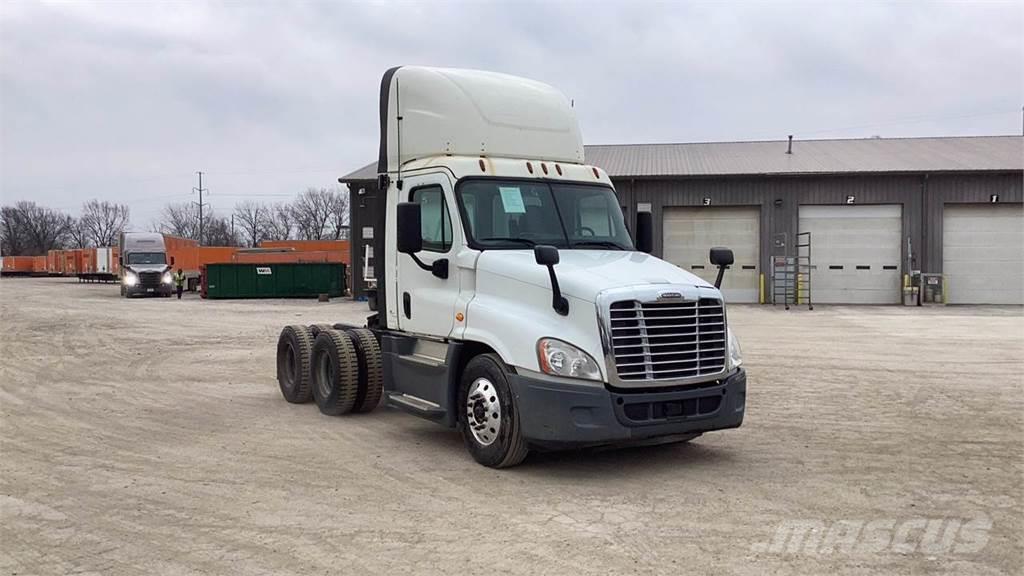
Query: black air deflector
column 385, row 99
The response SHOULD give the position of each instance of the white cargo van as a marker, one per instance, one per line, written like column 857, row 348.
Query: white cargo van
column 512, row 303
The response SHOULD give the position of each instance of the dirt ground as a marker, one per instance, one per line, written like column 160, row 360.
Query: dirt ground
column 149, row 437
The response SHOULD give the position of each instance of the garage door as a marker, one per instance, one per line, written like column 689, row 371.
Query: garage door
column 983, row 253
column 855, row 253
column 689, row 233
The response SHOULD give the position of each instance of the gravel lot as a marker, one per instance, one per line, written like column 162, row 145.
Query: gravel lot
column 149, row 437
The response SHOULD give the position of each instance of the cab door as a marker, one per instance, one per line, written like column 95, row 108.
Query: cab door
column 426, row 302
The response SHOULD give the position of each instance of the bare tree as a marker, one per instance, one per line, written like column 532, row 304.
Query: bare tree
column 279, row 222
column 30, row 229
column 78, row 234
column 218, row 231
column 312, row 211
column 180, row 219
column 14, row 239
column 339, row 214
column 252, row 218
column 104, row 221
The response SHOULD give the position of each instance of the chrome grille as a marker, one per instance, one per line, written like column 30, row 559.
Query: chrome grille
column 150, row 279
column 668, row 340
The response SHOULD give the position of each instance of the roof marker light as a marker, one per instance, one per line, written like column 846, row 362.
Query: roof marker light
column 482, row 169
column 544, row 167
column 529, row 167
column 596, row 175
column 558, row 168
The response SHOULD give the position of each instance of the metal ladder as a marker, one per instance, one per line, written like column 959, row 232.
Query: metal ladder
column 802, row 263
column 791, row 271
column 783, row 280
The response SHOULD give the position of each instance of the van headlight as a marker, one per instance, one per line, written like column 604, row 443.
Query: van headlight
column 131, row 279
column 559, row 358
column 167, row 278
column 735, row 354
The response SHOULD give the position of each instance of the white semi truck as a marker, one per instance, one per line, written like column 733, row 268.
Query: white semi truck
column 144, row 268
column 511, row 302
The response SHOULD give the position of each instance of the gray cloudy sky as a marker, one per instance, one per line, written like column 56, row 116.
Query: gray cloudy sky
column 126, row 101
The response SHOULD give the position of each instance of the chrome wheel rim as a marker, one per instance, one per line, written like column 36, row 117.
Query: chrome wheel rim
column 483, row 411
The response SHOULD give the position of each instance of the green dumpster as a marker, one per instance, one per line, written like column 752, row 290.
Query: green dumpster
column 292, row 280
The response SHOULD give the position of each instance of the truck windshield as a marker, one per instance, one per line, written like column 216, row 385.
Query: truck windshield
column 517, row 214
column 146, row 258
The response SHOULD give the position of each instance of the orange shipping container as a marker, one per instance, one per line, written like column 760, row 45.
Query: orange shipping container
column 99, row 261
column 88, row 261
column 72, row 262
column 39, row 264
column 178, row 243
column 190, row 259
column 17, row 264
column 339, row 246
column 286, row 257
column 55, row 262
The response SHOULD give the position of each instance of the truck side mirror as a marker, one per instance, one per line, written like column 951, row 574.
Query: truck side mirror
column 548, row 256
column 410, row 234
column 645, row 232
column 723, row 258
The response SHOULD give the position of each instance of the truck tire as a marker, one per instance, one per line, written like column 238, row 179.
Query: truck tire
column 294, row 354
column 316, row 329
column 488, row 416
column 371, row 372
column 335, row 372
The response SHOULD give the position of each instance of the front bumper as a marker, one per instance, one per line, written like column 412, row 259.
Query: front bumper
column 560, row 415
column 161, row 289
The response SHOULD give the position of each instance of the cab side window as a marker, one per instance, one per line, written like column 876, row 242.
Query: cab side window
column 435, row 222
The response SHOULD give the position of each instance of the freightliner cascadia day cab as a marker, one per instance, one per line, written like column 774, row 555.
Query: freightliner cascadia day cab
column 143, row 263
column 511, row 301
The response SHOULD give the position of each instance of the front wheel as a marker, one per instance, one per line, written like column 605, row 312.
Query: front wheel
column 488, row 415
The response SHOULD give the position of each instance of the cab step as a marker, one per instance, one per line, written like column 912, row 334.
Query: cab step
column 414, row 405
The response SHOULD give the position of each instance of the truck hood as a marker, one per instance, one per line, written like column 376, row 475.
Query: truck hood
column 137, row 268
column 584, row 274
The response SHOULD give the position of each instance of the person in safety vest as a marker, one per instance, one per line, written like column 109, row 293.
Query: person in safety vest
column 179, row 281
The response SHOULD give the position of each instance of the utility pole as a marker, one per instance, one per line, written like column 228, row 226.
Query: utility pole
column 200, row 189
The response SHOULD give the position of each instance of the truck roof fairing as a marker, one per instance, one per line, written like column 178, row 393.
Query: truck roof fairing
column 453, row 112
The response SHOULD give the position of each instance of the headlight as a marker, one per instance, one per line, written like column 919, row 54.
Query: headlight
column 167, row 278
column 561, row 359
column 735, row 354
column 130, row 279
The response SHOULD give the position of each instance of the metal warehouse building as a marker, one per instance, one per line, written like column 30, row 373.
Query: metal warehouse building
column 876, row 209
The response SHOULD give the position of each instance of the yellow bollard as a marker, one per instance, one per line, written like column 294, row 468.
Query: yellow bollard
column 761, row 293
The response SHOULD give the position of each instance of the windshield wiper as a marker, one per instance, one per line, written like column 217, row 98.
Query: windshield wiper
column 601, row 243
column 526, row 241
